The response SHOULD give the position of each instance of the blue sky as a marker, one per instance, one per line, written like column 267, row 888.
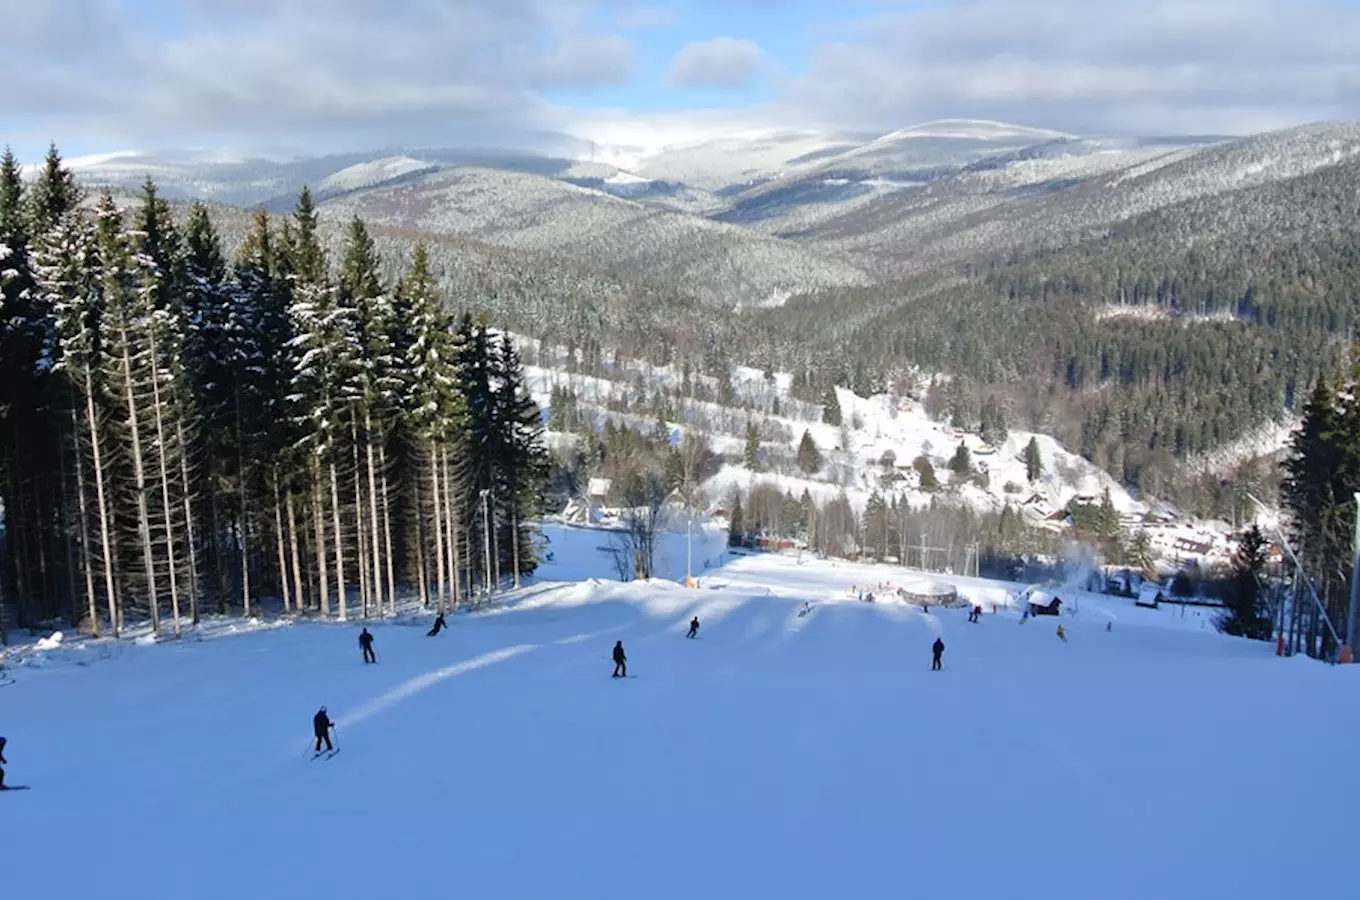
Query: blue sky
column 323, row 75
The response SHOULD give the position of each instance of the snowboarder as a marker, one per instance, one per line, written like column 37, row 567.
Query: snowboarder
column 693, row 627
column 1062, row 635
column 439, row 625
column 366, row 644
column 2, row 762
column 322, row 725
column 620, row 661
column 938, row 650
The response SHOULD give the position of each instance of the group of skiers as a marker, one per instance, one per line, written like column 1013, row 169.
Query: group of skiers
column 322, row 725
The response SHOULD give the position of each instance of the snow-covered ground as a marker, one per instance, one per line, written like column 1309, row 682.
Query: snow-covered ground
column 777, row 756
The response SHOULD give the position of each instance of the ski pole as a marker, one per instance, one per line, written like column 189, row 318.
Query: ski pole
column 336, row 735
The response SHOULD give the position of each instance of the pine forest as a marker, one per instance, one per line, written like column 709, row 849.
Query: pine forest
column 183, row 434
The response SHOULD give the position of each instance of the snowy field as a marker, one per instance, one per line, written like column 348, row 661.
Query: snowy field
column 777, row 756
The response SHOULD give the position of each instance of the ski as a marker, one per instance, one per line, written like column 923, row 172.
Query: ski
column 15, row 787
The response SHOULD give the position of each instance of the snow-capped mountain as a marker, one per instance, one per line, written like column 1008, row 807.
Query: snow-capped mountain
column 751, row 218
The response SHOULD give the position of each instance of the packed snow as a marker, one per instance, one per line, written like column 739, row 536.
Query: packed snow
column 778, row 755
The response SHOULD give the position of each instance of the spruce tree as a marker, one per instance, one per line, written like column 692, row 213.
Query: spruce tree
column 736, row 529
column 831, row 407
column 1034, row 464
column 926, row 471
column 962, row 462
column 435, row 414
column 751, row 452
column 324, row 386
column 809, row 457
column 1245, row 616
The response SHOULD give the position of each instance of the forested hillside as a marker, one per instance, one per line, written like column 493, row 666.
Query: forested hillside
column 180, row 432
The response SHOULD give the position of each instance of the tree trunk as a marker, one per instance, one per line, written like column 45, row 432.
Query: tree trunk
column 374, row 529
column 66, row 538
column 243, row 534
column 387, row 530
column 495, row 543
column 83, row 511
column 342, row 601
column 96, row 458
column 298, row 595
column 163, row 469
column 451, row 530
column 139, row 479
column 422, row 576
column 360, row 524
column 319, row 525
column 436, row 494
column 279, row 545
column 189, row 525
column 219, row 573
column 514, row 540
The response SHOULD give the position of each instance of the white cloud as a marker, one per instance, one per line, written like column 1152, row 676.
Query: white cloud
column 1093, row 65
column 365, row 73
column 313, row 71
column 719, row 62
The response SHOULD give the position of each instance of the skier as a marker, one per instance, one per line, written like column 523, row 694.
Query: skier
column 938, row 650
column 1062, row 635
column 693, row 628
column 1109, row 626
column 620, row 661
column 977, row 613
column 2, row 762
column 366, row 644
column 322, row 725
column 439, row 625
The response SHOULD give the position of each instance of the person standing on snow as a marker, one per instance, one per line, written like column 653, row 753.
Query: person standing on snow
column 620, row 661
column 439, row 625
column 2, row 762
column 1062, row 635
column 366, row 644
column 322, row 725
column 693, row 628
column 938, row 650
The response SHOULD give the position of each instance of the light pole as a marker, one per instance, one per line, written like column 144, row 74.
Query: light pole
column 486, row 534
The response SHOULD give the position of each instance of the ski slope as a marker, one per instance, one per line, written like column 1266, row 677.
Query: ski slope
column 776, row 756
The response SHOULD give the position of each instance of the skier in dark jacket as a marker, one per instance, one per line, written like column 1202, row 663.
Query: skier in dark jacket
column 366, row 644
column 439, row 625
column 693, row 628
column 938, row 649
column 322, row 725
column 620, row 661
column 2, row 762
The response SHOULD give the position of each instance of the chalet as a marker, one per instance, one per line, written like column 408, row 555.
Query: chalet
column 1042, row 603
column 1150, row 595
column 1059, row 517
column 775, row 545
column 598, row 489
column 1196, row 547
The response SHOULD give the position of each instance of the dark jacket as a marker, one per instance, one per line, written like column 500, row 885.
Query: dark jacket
column 365, row 639
column 938, row 647
column 321, row 724
column 618, row 653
